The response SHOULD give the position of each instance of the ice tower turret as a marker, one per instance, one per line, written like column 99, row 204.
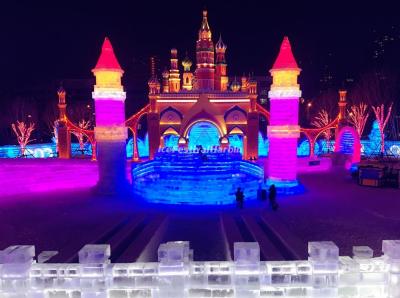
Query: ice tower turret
column 284, row 129
column 110, row 131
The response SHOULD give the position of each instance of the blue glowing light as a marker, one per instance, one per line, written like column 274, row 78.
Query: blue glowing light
column 143, row 147
column 303, row 149
column 208, row 179
column 236, row 141
column 347, row 143
column 263, row 145
column 286, row 187
column 171, row 141
column 203, row 133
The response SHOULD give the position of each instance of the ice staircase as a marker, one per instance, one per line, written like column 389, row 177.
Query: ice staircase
column 193, row 178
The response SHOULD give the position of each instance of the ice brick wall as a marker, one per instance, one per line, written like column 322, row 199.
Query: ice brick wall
column 324, row 274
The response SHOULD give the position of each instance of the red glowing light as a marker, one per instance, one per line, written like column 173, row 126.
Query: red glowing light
column 285, row 59
column 107, row 58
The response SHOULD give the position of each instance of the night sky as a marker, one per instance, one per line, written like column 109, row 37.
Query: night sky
column 55, row 40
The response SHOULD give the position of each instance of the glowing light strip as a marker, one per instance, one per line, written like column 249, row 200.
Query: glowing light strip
column 200, row 65
column 229, row 100
column 284, row 131
column 284, row 93
column 170, row 123
column 109, row 95
column 177, row 100
column 111, row 133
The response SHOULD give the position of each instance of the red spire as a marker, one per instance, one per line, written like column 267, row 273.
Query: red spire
column 285, row 59
column 107, row 58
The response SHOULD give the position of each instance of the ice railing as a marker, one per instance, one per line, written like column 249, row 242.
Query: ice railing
column 324, row 274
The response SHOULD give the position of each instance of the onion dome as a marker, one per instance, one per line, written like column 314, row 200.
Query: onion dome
column 165, row 74
column 187, row 64
column 220, row 46
column 205, row 31
column 61, row 89
column 235, row 85
column 153, row 80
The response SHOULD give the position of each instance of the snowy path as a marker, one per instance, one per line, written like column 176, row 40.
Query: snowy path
column 204, row 233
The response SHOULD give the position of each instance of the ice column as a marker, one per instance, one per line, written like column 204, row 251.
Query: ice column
column 284, row 129
column 391, row 250
column 15, row 266
column 110, row 131
column 247, row 269
column 93, row 260
column 173, row 270
column 324, row 260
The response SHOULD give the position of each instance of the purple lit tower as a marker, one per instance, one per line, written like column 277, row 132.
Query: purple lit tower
column 110, row 130
column 284, row 129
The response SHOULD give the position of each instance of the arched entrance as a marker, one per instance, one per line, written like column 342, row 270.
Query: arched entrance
column 204, row 133
column 236, row 139
column 170, row 138
column 348, row 142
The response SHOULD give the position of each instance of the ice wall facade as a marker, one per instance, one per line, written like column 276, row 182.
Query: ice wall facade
column 324, row 274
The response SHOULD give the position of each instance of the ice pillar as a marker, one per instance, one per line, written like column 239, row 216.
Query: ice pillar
column 15, row 266
column 324, row 260
column 284, row 129
column 93, row 261
column 110, row 130
column 174, row 258
column 391, row 250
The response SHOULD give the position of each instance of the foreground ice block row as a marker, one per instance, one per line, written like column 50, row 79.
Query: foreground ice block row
column 324, row 274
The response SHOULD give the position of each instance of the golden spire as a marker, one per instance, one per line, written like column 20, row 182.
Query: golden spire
column 205, row 31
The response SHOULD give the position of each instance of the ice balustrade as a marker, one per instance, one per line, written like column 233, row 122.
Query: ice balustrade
column 324, row 274
column 193, row 178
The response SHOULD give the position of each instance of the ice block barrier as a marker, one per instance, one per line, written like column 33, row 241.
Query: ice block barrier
column 324, row 274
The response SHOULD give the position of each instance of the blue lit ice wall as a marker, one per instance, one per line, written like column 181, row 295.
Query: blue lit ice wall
column 204, row 134
column 45, row 150
column 143, row 147
column 171, row 141
column 263, row 145
column 236, row 141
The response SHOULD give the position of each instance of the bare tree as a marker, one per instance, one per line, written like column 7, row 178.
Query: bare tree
column 82, row 139
column 358, row 115
column 23, row 133
column 379, row 87
column 17, row 108
column 321, row 120
column 382, row 121
column 326, row 101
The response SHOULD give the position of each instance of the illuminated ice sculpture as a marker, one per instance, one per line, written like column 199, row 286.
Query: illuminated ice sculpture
column 110, row 130
column 325, row 274
column 284, row 129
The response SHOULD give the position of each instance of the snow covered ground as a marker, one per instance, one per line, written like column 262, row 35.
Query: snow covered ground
column 333, row 208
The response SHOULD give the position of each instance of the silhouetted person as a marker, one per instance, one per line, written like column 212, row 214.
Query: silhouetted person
column 263, row 194
column 239, row 197
column 259, row 192
column 272, row 197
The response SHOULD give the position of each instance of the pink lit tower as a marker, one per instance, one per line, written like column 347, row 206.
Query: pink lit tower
column 284, row 129
column 110, row 131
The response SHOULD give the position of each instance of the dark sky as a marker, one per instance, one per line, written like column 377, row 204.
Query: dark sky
column 61, row 39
